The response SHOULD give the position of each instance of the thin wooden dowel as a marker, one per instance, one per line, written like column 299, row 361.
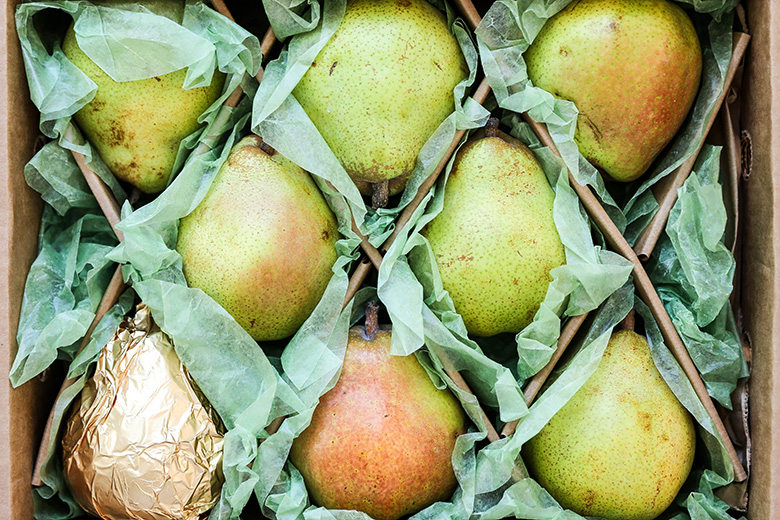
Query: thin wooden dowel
column 371, row 251
column 356, row 280
column 457, row 378
column 268, row 44
column 648, row 294
column 114, row 290
column 567, row 335
column 469, row 12
column 222, row 9
column 535, row 384
column 667, row 187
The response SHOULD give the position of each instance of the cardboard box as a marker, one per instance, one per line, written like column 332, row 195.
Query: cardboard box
column 23, row 411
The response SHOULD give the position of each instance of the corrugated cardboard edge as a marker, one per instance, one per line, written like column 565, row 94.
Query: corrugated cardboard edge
column 22, row 410
column 761, row 249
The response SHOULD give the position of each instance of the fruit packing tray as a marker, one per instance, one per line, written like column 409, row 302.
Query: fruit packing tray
column 373, row 256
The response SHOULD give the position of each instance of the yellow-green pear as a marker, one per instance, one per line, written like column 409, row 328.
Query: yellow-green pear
column 137, row 126
column 261, row 243
column 495, row 241
column 631, row 67
column 623, row 445
column 381, row 86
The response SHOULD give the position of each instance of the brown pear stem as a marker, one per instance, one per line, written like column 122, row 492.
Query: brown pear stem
column 491, row 128
column 629, row 322
column 134, row 197
column 648, row 294
column 267, row 148
column 372, row 320
column 381, row 194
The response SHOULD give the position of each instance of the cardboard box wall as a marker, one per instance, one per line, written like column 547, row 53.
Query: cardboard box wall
column 23, row 411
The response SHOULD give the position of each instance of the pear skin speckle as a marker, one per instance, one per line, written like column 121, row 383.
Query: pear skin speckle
column 623, row 445
column 632, row 67
column 261, row 243
column 382, row 85
column 495, row 241
column 381, row 440
column 136, row 126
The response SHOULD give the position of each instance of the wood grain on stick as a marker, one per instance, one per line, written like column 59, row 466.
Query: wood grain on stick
column 665, row 190
column 469, row 12
column 648, row 294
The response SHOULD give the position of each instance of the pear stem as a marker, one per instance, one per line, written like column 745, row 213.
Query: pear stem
column 134, row 197
column 629, row 322
column 372, row 320
column 491, row 127
column 381, row 194
column 266, row 148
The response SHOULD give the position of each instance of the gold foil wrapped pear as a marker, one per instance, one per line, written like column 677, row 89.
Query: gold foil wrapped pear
column 141, row 441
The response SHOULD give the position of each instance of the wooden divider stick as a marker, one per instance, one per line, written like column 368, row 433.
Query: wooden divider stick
column 648, row 293
column 668, row 186
column 535, row 384
column 114, row 290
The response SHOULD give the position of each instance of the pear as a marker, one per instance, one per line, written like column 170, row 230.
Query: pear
column 381, row 440
column 495, row 241
column 623, row 445
column 632, row 68
column 381, row 86
column 262, row 241
column 141, row 440
column 137, row 126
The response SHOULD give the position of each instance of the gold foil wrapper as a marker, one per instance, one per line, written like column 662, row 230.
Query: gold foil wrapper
column 141, row 441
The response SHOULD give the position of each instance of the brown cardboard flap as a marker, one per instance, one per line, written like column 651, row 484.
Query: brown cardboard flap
column 23, row 410
column 761, row 247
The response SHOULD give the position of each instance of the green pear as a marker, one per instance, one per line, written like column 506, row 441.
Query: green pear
column 623, row 445
column 381, row 86
column 632, row 68
column 137, row 126
column 381, row 440
column 261, row 243
column 495, row 241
